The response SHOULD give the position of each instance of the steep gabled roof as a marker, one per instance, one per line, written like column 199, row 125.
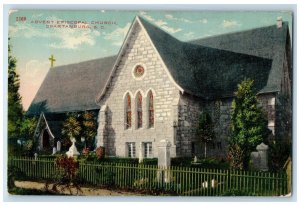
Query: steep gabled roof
column 207, row 72
column 266, row 42
column 72, row 87
column 259, row 42
column 209, row 68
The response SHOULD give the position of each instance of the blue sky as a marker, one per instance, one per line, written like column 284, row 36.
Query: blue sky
column 33, row 43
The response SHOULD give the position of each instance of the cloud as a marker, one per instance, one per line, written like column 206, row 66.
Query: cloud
column 146, row 16
column 66, row 38
column 159, row 22
column 31, row 79
column 72, row 38
column 230, row 23
column 117, row 34
column 171, row 30
column 171, row 17
column 203, row 21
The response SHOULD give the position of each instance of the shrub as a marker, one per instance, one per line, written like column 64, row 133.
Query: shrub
column 278, row 154
column 67, row 178
column 86, row 151
column 69, row 166
column 150, row 161
column 100, row 152
column 210, row 163
column 181, row 161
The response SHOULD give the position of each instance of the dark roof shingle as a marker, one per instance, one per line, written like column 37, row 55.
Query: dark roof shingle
column 72, row 87
column 209, row 68
column 204, row 71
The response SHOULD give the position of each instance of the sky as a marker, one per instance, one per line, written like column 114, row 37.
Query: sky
column 35, row 35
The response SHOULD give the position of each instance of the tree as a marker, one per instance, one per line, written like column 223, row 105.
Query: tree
column 89, row 128
column 205, row 129
column 15, row 109
column 71, row 129
column 27, row 128
column 248, row 126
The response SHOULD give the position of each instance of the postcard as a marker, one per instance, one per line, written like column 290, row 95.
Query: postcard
column 143, row 103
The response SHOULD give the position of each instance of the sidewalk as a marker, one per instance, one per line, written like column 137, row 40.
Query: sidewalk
column 86, row 191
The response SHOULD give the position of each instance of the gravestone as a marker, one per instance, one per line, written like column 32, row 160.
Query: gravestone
column 58, row 146
column 164, row 161
column 54, row 151
column 72, row 150
column 263, row 152
column 260, row 158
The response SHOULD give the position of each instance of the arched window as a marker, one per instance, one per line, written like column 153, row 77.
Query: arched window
column 139, row 110
column 150, row 109
column 128, row 112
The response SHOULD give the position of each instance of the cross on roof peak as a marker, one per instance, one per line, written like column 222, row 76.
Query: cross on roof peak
column 52, row 60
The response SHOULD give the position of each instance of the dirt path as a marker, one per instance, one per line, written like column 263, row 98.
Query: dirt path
column 86, row 191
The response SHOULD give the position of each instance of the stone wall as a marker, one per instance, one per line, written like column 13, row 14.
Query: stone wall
column 220, row 112
column 113, row 133
column 189, row 110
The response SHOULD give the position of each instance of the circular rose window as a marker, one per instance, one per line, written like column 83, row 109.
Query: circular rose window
column 139, row 71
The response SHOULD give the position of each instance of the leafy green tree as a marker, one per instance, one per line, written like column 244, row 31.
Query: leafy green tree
column 89, row 128
column 71, row 129
column 248, row 126
column 27, row 128
column 15, row 109
column 205, row 130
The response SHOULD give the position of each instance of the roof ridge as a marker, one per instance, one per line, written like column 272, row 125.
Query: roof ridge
column 284, row 24
column 85, row 61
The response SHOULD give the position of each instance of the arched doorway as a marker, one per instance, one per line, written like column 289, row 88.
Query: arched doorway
column 46, row 140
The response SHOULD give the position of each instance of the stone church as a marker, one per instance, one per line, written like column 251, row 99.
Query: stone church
column 156, row 87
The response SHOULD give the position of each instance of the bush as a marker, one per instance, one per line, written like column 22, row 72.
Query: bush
column 278, row 154
column 118, row 160
column 212, row 164
column 100, row 152
column 202, row 163
column 181, row 161
column 150, row 161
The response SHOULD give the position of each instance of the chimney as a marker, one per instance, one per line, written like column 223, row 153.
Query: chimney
column 279, row 22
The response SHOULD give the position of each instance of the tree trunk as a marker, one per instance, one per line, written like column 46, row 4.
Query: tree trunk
column 205, row 150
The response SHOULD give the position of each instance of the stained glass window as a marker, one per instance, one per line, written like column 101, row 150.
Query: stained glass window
column 128, row 112
column 139, row 71
column 151, row 110
column 139, row 110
